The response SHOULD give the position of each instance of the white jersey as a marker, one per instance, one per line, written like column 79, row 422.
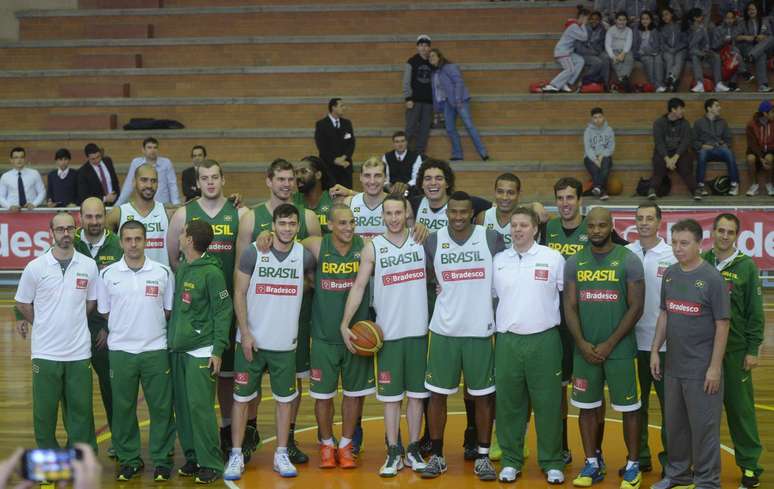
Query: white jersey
column 491, row 222
column 400, row 288
column 432, row 219
column 274, row 300
column 368, row 222
column 464, row 272
column 156, row 224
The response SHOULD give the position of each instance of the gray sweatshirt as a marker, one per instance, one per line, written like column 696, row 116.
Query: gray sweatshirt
column 598, row 141
column 566, row 44
column 618, row 40
column 672, row 38
column 699, row 42
column 712, row 132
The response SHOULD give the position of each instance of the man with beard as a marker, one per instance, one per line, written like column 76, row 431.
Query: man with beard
column 604, row 292
column 143, row 208
column 56, row 292
column 312, row 192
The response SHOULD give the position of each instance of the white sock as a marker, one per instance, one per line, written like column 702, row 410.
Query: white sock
column 328, row 442
column 631, row 463
column 236, row 450
column 282, row 450
column 483, row 451
column 593, row 461
column 344, row 442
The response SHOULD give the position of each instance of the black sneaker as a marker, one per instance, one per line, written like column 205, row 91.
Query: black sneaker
column 750, row 480
column 697, row 195
column 206, row 476
column 162, row 474
column 126, row 472
column 189, row 469
column 470, row 444
column 295, row 454
column 652, row 194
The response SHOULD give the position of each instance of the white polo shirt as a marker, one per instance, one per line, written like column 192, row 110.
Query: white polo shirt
column 655, row 262
column 136, row 302
column 60, row 331
column 528, row 286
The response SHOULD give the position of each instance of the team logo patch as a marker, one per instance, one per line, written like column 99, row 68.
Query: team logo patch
column 699, row 284
column 316, row 374
column 383, row 250
column 580, row 385
column 356, row 209
column 81, row 283
column 223, row 294
column 583, row 238
column 614, row 263
column 685, row 308
column 227, row 218
column 151, row 291
column 264, row 258
column 241, row 378
column 445, row 245
column 660, row 271
column 186, row 297
column 385, row 377
column 541, row 274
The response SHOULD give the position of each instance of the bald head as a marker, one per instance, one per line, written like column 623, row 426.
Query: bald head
column 93, row 217
column 145, row 170
column 600, row 214
column 599, row 223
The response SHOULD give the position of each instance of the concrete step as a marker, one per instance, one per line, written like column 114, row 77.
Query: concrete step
column 114, row 4
column 81, row 122
column 93, row 89
column 105, row 60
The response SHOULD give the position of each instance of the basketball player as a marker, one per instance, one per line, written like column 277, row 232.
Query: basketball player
column 197, row 336
column 604, row 293
column 400, row 299
column 312, row 192
column 460, row 329
column 656, row 256
column 143, row 208
column 498, row 217
column 269, row 289
column 744, row 341
column 367, row 205
column 218, row 211
column 137, row 293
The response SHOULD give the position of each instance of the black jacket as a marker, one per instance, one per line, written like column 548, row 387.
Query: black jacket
column 332, row 143
column 190, row 190
column 89, row 184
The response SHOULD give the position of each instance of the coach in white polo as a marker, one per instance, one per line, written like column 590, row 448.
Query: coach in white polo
column 136, row 293
column 528, row 278
column 56, row 292
column 656, row 256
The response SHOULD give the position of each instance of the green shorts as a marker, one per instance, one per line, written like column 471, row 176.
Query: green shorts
column 400, row 369
column 329, row 360
column 448, row 357
column 588, row 383
column 248, row 375
column 302, row 343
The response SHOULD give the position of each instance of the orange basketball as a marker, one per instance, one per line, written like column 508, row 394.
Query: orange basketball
column 369, row 338
column 614, row 185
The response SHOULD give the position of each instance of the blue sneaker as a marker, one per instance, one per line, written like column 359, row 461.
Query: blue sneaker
column 632, row 477
column 357, row 440
column 589, row 475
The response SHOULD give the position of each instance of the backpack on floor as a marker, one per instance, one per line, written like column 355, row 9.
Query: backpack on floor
column 719, row 185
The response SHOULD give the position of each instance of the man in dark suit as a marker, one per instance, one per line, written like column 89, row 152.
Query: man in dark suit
column 190, row 175
column 97, row 177
column 335, row 142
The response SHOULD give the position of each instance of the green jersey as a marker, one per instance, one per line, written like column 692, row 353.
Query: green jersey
column 334, row 277
column 225, row 226
column 321, row 211
column 744, row 284
column 264, row 220
column 558, row 240
column 601, row 284
column 109, row 252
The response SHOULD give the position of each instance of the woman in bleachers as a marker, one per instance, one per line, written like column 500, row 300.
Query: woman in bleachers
column 700, row 50
column 754, row 40
column 647, row 50
column 618, row 44
column 674, row 45
column 725, row 35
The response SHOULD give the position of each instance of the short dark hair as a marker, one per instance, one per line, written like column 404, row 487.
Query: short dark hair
column 202, row 234
column 398, row 134
column 333, row 102
column 63, row 154
column 709, row 103
column 581, row 11
column 396, row 198
column 210, row 163
column 199, row 146
column 146, row 141
column 527, row 211
column 569, row 182
column 441, row 165
column 596, row 13
column 691, row 226
column 596, row 110
column 620, row 13
column 285, row 210
column 651, row 205
column 17, row 149
column 509, row 177
column 278, row 164
column 461, row 196
column 132, row 224
column 90, row 149
column 729, row 217
column 674, row 103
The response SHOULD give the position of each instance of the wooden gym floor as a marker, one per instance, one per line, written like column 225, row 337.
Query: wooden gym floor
column 16, row 430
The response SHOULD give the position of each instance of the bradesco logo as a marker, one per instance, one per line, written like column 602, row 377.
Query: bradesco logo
column 684, row 307
column 336, row 284
column 273, row 289
column 599, row 296
column 400, row 277
column 469, row 274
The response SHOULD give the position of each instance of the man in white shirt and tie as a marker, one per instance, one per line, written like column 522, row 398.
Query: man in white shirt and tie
column 21, row 187
column 167, row 192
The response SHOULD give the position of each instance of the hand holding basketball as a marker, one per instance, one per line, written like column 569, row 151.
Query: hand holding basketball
column 365, row 338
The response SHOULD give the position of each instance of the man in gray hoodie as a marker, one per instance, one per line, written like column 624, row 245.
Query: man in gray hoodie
column 597, row 64
column 599, row 144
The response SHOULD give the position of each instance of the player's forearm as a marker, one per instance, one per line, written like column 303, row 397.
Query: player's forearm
column 354, row 299
column 719, row 345
column 27, row 311
column 240, row 311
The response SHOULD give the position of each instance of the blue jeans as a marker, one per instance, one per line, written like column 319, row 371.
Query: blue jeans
column 450, row 113
column 599, row 174
column 717, row 154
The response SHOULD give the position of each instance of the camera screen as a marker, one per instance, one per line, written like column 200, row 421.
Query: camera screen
column 49, row 465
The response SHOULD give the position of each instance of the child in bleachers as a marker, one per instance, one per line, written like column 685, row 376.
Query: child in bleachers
column 635, row 8
column 700, row 50
column 618, row 45
column 674, row 45
column 647, row 50
column 725, row 35
column 597, row 64
column 754, row 40
column 564, row 52
column 736, row 6
column 599, row 145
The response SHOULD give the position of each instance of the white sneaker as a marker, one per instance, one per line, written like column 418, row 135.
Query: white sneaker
column 734, row 189
column 554, row 476
column 721, row 87
column 753, row 190
column 508, row 474
column 698, row 88
column 770, row 189
column 283, row 466
column 550, row 89
column 661, row 90
column 234, row 467
column 567, row 89
column 392, row 464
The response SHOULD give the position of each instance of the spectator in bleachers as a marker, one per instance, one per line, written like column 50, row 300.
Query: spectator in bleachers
column 635, row 8
column 700, row 50
column 402, row 165
column 618, row 46
column 599, row 145
column 736, row 6
column 335, row 140
column 418, row 94
column 167, row 192
column 592, row 50
column 564, row 52
column 452, row 98
column 682, row 9
column 62, row 183
column 754, row 40
column 673, row 141
column 97, row 177
column 647, row 50
column 608, row 8
column 760, row 149
column 21, row 187
column 725, row 35
column 674, row 44
column 712, row 142
column 190, row 175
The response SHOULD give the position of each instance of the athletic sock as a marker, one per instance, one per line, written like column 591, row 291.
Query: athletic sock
column 236, row 450
column 593, row 461
column 565, row 445
column 436, row 447
column 344, row 442
column 632, row 463
column 470, row 413
column 282, row 450
column 483, row 449
column 328, row 442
